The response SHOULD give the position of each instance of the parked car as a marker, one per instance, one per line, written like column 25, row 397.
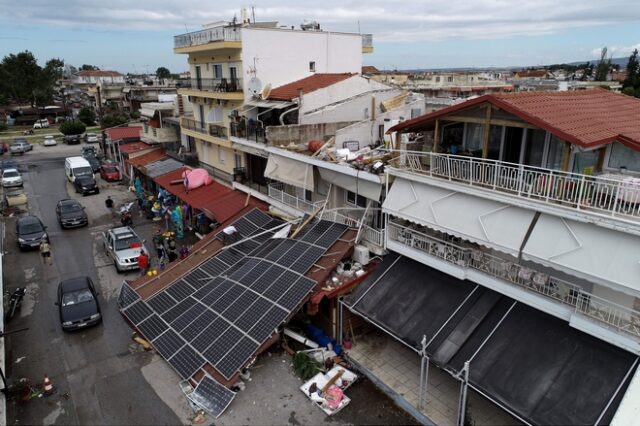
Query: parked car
column 49, row 141
column 110, row 172
column 95, row 163
column 123, row 245
column 15, row 197
column 20, row 146
column 88, row 151
column 78, row 303
column 41, row 124
column 71, row 213
column 11, row 178
column 86, row 185
column 91, row 138
column 30, row 232
column 72, row 139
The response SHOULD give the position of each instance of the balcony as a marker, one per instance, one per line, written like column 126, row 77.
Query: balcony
column 278, row 193
column 619, row 318
column 221, row 85
column 367, row 43
column 202, row 37
column 152, row 134
column 251, row 131
column 209, row 129
column 365, row 232
column 609, row 196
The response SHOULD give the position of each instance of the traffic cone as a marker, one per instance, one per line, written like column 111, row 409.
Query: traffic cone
column 48, row 386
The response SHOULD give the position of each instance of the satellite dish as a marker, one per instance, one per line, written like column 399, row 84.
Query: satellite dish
column 254, row 86
column 266, row 91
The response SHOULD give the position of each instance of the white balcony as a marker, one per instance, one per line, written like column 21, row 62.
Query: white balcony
column 365, row 232
column 611, row 315
column 609, row 197
column 205, row 36
column 278, row 193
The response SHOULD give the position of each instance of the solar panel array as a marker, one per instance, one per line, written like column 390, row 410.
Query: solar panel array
column 212, row 396
column 223, row 311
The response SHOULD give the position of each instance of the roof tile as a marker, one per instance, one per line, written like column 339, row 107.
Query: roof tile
column 290, row 91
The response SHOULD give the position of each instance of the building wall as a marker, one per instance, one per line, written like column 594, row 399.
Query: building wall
column 216, row 156
column 207, row 60
column 284, row 135
column 283, row 56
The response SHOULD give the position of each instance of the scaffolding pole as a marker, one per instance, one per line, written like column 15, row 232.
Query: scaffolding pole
column 340, row 320
column 424, row 375
column 463, row 394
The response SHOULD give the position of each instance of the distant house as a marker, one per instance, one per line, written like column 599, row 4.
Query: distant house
column 532, row 74
column 370, row 70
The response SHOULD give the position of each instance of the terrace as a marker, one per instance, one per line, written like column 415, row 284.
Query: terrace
column 208, row 35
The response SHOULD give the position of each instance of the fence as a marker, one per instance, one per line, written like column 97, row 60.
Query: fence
column 226, row 85
column 276, row 191
column 368, row 233
column 205, row 36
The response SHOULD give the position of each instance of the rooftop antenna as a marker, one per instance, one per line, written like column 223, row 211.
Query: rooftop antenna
column 253, row 14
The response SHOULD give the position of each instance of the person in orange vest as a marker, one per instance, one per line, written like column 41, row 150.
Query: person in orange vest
column 143, row 262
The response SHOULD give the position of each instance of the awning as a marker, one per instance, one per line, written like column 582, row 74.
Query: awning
column 365, row 188
column 147, row 112
column 151, row 157
column 290, row 172
column 575, row 380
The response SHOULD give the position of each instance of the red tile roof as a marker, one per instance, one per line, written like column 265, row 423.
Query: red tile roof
column 291, row 91
column 587, row 118
column 128, row 148
column 370, row 69
column 148, row 158
column 98, row 73
column 118, row 133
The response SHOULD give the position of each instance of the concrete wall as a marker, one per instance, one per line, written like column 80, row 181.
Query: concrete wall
column 216, row 156
column 284, row 135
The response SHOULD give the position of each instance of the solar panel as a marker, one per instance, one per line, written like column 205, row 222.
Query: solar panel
column 265, row 280
column 127, row 296
column 138, row 312
column 296, row 293
column 315, row 231
column 152, row 327
column 180, row 290
column 307, row 259
column 162, row 302
column 266, row 248
column 186, row 362
column 200, row 323
column 210, row 334
column 331, row 236
column 240, row 305
column 217, row 293
column 252, row 315
column 212, row 396
column 256, row 270
column 292, row 255
column 237, row 357
column 168, row 343
column 229, row 297
column 188, row 317
column 173, row 313
column 214, row 267
column 229, row 256
column 276, row 252
column 272, row 319
column 222, row 345
column 242, row 268
column 197, row 278
column 258, row 218
column 244, row 227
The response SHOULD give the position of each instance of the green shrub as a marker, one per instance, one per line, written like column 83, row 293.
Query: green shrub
column 72, row 128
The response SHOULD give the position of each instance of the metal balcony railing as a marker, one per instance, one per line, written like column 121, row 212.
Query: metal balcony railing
column 619, row 317
column 368, row 233
column 619, row 198
column 222, row 85
column 250, row 130
column 210, row 129
column 277, row 192
column 205, row 36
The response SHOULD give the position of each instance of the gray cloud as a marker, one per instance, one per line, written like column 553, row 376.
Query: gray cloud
column 390, row 21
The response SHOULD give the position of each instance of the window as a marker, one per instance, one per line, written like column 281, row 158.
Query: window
column 473, row 138
column 312, row 66
column 221, row 155
column 449, row 79
column 585, row 162
column 495, row 142
column 623, row 157
column 217, row 71
column 356, row 200
column 237, row 158
column 554, row 154
column 535, row 147
column 437, row 79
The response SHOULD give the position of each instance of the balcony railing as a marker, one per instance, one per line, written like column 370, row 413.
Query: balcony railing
column 368, row 233
column 367, row 40
column 618, row 198
column 222, row 85
column 250, row 130
column 276, row 191
column 205, row 36
column 210, row 129
column 619, row 317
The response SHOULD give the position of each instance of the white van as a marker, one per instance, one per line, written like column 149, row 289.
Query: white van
column 77, row 166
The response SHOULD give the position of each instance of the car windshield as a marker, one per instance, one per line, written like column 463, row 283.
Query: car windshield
column 30, row 228
column 70, row 208
column 77, row 297
column 127, row 241
column 83, row 171
column 10, row 174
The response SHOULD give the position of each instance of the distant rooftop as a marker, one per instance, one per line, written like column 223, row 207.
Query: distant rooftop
column 291, row 91
column 98, row 73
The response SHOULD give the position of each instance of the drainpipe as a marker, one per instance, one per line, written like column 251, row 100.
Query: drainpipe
column 295, row 108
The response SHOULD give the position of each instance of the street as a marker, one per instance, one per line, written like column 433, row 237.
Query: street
column 98, row 373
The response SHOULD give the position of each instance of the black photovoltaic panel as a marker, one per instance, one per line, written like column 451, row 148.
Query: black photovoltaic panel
column 127, row 296
column 210, row 334
column 246, row 247
column 212, row 396
column 296, row 293
column 331, row 236
column 180, row 290
column 253, row 314
column 267, row 279
column 244, row 227
column 138, row 312
column 197, row 278
column 254, row 273
column 241, row 269
column 237, row 357
column 152, row 327
column 230, row 256
column 222, row 345
column 258, row 218
column 214, row 267
column 228, row 298
column 240, row 305
column 173, row 313
column 307, row 259
column 278, row 251
column 168, row 343
column 186, row 362
column 208, row 288
column 272, row 319
column 315, row 231
column 162, row 302
column 217, row 293
column 188, row 317
column 291, row 256
column 280, row 285
column 196, row 327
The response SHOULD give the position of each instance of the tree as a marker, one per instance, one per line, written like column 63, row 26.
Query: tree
column 632, row 82
column 72, row 128
column 87, row 116
column 604, row 66
column 22, row 79
column 86, row 67
column 113, row 120
column 163, row 73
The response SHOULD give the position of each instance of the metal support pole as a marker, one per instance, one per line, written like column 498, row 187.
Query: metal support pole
column 463, row 394
column 424, row 374
column 340, row 320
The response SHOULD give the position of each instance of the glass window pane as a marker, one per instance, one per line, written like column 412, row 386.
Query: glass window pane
column 535, row 147
column 495, row 138
column 623, row 157
column 473, row 140
column 585, row 162
column 554, row 157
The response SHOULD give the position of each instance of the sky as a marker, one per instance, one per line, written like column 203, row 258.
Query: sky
column 137, row 35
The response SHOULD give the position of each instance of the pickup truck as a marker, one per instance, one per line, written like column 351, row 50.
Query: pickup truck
column 123, row 246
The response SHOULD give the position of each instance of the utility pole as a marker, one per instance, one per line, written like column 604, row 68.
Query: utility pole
column 99, row 104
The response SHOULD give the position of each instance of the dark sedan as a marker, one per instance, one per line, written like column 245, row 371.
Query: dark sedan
column 30, row 232
column 71, row 213
column 78, row 304
column 95, row 163
column 86, row 185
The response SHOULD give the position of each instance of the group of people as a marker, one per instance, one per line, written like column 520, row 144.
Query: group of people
column 166, row 251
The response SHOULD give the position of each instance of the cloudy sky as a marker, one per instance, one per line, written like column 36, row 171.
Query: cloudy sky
column 137, row 35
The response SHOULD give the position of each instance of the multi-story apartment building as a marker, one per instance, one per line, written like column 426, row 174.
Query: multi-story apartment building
column 232, row 64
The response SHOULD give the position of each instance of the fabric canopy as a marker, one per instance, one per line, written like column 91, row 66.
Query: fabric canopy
column 290, row 172
column 147, row 112
column 365, row 188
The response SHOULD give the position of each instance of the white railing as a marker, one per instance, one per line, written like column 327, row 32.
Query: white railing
column 205, row 36
column 276, row 191
column 619, row 197
column 368, row 233
column 597, row 308
column 367, row 40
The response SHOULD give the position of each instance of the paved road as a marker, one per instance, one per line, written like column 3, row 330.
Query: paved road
column 100, row 375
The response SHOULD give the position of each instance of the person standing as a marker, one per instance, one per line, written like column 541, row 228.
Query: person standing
column 109, row 203
column 143, row 262
column 45, row 252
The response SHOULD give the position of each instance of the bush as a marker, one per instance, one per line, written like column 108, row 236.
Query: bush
column 113, row 120
column 87, row 116
column 135, row 115
column 3, row 126
column 72, row 128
